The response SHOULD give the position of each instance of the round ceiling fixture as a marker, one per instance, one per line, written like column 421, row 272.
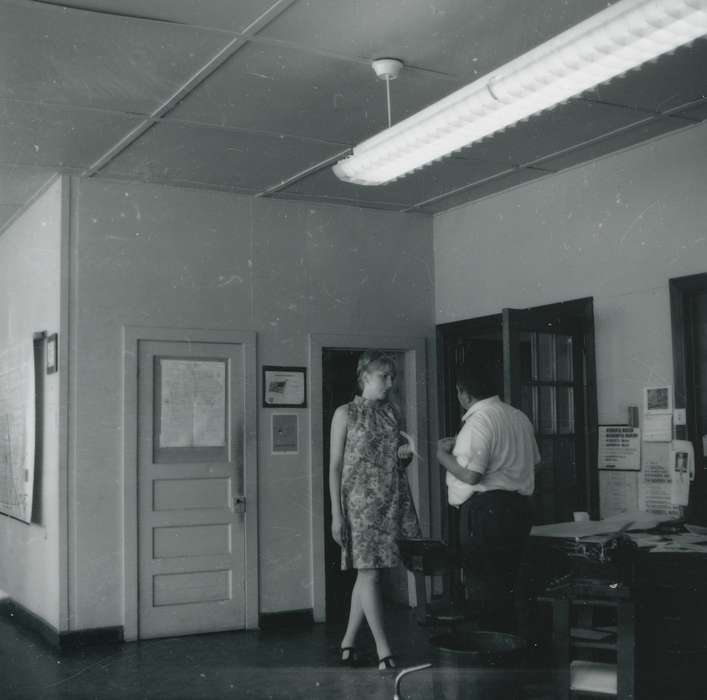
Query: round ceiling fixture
column 387, row 68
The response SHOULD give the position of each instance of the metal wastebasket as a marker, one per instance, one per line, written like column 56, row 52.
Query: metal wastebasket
column 478, row 664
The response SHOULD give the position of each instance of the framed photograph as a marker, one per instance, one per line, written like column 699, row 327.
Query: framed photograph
column 284, row 386
column 658, row 399
column 52, row 353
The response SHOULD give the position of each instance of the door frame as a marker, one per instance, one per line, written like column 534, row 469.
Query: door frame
column 582, row 310
column 683, row 291
column 414, row 350
column 132, row 335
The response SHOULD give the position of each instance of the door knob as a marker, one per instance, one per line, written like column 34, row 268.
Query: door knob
column 239, row 504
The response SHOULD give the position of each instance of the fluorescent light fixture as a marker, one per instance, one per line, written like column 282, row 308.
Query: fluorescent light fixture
column 609, row 43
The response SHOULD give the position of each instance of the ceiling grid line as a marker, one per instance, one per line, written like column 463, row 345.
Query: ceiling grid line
column 226, row 53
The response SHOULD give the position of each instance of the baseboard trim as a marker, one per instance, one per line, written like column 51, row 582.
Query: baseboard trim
column 286, row 619
column 18, row 614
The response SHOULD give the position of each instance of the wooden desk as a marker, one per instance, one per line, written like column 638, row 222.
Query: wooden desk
column 669, row 594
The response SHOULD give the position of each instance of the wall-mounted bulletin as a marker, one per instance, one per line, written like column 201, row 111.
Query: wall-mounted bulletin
column 657, row 414
column 285, row 387
column 17, row 429
column 284, row 433
column 619, row 447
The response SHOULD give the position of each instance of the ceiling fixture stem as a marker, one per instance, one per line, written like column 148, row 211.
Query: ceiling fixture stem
column 387, row 92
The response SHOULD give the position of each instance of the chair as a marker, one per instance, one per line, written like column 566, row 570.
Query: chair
column 425, row 557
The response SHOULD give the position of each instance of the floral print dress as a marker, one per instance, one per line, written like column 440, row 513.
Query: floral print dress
column 376, row 502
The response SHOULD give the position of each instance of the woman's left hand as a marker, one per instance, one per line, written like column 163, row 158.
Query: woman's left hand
column 407, row 450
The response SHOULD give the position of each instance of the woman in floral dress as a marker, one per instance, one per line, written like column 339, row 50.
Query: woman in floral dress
column 370, row 496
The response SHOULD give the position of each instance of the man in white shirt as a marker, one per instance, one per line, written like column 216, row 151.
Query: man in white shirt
column 492, row 462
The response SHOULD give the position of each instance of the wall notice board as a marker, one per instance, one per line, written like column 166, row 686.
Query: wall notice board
column 17, row 430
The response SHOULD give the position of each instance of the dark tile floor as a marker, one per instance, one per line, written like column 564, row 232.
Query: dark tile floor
column 274, row 665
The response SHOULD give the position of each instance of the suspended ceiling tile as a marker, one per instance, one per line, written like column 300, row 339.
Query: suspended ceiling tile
column 553, row 131
column 219, row 157
column 58, row 137
column 284, row 90
column 7, row 212
column 460, row 37
column 669, row 82
column 625, row 139
column 484, row 189
column 431, row 181
column 219, row 14
column 82, row 58
column 18, row 184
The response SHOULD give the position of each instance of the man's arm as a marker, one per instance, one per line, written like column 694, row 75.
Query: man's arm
column 449, row 462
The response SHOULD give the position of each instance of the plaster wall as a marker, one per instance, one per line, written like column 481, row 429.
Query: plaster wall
column 616, row 229
column 149, row 255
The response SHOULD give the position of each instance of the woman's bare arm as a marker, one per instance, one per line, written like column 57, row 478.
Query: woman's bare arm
column 336, row 464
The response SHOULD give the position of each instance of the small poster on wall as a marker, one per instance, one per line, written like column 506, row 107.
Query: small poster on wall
column 618, row 493
column 656, row 483
column 658, row 399
column 619, row 447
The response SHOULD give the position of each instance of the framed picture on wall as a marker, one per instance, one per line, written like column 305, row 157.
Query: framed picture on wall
column 658, row 399
column 284, row 386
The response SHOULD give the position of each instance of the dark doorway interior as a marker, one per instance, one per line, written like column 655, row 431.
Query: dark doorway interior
column 339, row 386
column 688, row 301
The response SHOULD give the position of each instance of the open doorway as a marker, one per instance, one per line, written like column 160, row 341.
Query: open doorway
column 339, row 386
column 688, row 302
column 412, row 386
column 543, row 362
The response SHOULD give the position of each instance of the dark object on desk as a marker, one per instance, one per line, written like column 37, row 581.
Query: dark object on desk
column 668, row 527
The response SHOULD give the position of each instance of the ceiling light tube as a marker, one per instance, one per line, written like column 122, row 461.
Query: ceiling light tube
column 611, row 42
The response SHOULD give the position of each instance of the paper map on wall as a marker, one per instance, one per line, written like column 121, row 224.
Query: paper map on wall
column 193, row 403
column 17, row 427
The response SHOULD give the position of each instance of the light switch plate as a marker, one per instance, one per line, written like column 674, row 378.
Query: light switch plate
column 679, row 416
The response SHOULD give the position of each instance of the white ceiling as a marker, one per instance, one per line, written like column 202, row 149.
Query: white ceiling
column 261, row 97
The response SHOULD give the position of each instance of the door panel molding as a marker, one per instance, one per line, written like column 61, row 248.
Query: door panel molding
column 415, row 408
column 132, row 336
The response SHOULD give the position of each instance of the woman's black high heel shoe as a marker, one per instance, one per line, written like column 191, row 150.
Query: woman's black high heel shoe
column 348, row 656
column 387, row 663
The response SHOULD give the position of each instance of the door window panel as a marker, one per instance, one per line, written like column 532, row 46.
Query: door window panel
column 546, row 357
column 548, row 413
column 565, row 410
column 565, row 370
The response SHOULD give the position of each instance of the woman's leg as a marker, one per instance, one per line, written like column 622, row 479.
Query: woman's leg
column 355, row 618
column 368, row 583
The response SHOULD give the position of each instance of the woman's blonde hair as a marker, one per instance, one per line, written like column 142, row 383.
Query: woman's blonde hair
column 371, row 360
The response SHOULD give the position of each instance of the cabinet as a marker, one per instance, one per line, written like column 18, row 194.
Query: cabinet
column 594, row 645
column 671, row 596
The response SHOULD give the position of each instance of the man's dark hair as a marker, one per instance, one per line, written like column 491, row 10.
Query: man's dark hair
column 479, row 380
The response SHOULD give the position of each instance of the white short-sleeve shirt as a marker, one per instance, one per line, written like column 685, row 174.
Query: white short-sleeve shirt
column 498, row 442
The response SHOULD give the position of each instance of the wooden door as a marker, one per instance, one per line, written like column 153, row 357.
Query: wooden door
column 543, row 359
column 191, row 504
column 546, row 361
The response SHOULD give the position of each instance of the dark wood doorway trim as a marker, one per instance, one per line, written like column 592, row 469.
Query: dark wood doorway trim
column 686, row 377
